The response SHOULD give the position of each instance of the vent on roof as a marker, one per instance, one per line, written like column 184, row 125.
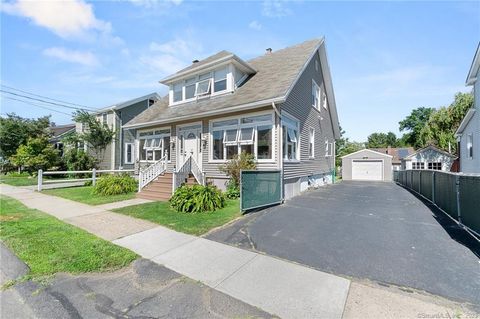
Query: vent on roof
column 195, row 61
column 269, row 50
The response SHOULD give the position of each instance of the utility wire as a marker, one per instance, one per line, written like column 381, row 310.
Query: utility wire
column 38, row 105
column 43, row 101
column 49, row 98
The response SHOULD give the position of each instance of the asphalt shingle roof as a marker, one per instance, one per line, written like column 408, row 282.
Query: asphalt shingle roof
column 276, row 72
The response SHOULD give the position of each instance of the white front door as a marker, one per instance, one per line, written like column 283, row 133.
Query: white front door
column 189, row 140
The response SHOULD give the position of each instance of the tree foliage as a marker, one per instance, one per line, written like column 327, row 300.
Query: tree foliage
column 96, row 135
column 36, row 154
column 376, row 140
column 15, row 131
column 442, row 124
column 413, row 124
column 232, row 168
column 344, row 146
column 78, row 160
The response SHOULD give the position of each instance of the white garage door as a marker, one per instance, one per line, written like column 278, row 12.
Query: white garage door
column 367, row 170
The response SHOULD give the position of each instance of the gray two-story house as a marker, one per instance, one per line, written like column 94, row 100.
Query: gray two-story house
column 116, row 156
column 280, row 107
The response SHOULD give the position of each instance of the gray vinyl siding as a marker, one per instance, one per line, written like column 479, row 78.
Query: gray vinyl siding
column 299, row 105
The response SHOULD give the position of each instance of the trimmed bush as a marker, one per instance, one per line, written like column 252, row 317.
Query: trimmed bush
column 115, row 185
column 197, row 199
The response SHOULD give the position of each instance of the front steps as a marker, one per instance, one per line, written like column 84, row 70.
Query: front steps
column 160, row 189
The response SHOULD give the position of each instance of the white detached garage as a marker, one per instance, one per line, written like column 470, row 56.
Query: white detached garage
column 367, row 165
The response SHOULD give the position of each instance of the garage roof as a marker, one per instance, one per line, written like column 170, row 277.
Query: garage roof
column 369, row 151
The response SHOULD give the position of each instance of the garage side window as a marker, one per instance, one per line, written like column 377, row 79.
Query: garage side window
column 418, row 165
column 470, row 145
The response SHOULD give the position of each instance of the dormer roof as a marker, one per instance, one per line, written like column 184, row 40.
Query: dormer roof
column 207, row 63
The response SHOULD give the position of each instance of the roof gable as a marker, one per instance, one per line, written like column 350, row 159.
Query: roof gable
column 430, row 148
column 367, row 151
column 473, row 72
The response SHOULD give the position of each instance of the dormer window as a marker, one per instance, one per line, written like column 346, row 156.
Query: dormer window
column 190, row 86
column 177, row 92
column 204, row 84
column 220, row 78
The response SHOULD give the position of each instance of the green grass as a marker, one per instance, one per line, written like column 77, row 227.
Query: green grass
column 195, row 224
column 85, row 195
column 48, row 245
column 18, row 180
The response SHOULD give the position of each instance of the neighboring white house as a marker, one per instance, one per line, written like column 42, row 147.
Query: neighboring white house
column 468, row 133
column 429, row 157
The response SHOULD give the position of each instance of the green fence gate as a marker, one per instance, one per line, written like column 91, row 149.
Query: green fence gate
column 260, row 189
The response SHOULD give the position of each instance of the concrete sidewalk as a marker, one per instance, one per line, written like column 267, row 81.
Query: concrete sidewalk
column 279, row 287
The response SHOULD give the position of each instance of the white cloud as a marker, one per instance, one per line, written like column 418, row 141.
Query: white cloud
column 79, row 57
column 275, row 9
column 171, row 56
column 69, row 18
column 155, row 3
column 255, row 25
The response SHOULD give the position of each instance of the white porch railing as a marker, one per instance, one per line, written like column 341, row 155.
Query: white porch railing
column 151, row 172
column 181, row 175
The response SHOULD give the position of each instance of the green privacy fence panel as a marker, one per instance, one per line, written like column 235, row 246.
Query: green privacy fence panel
column 260, row 188
column 470, row 202
column 446, row 193
column 441, row 188
column 426, row 184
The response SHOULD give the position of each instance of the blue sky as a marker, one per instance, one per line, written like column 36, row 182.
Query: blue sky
column 386, row 58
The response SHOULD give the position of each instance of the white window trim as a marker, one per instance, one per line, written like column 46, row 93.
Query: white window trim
column 132, row 160
column 238, row 126
column 138, row 138
column 328, row 148
column 311, row 135
column 318, row 98
column 469, row 145
column 297, row 128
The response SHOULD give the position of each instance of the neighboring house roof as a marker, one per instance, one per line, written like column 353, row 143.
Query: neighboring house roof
column 60, row 130
column 208, row 62
column 397, row 152
column 368, row 151
column 430, row 147
column 465, row 121
column 122, row 105
column 276, row 74
column 472, row 73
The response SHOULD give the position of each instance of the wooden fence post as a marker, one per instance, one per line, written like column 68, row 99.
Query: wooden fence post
column 94, row 176
column 39, row 180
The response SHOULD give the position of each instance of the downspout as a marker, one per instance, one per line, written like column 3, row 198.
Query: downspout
column 334, row 174
column 280, row 147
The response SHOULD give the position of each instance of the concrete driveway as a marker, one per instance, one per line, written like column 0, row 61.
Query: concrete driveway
column 369, row 230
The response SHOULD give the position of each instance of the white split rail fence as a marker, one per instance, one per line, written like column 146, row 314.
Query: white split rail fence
column 94, row 173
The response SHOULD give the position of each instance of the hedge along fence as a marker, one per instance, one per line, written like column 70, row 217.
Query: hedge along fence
column 457, row 195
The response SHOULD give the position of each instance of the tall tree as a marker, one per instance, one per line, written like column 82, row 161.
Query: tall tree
column 413, row 124
column 442, row 124
column 36, row 154
column 97, row 136
column 376, row 140
column 16, row 130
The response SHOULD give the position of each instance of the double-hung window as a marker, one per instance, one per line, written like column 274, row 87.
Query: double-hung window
column 129, row 153
column 316, row 95
column 328, row 148
column 177, row 92
column 220, row 80
column 252, row 135
column 290, row 138
column 104, row 118
column 311, row 143
column 470, row 145
column 190, row 88
column 153, row 145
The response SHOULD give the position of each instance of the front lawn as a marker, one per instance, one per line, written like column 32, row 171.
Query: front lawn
column 195, row 224
column 18, row 180
column 85, row 195
column 48, row 245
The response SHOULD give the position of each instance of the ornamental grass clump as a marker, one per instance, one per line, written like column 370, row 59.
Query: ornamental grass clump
column 115, row 185
column 197, row 199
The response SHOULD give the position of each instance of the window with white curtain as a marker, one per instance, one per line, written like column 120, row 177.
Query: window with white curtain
column 251, row 134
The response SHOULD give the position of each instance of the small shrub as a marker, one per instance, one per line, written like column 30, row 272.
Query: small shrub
column 115, row 185
column 197, row 199
column 233, row 191
column 232, row 168
column 17, row 174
